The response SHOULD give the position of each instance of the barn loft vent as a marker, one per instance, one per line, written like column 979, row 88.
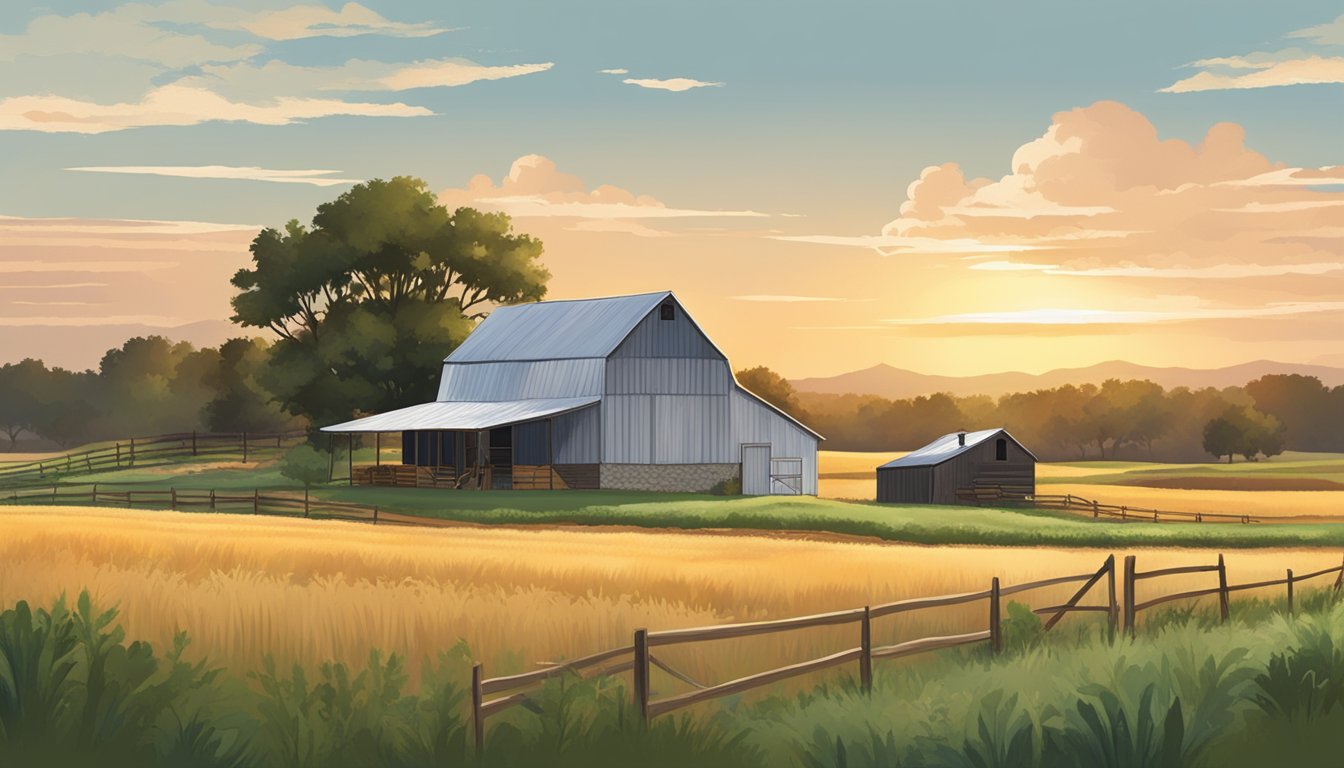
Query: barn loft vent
column 668, row 311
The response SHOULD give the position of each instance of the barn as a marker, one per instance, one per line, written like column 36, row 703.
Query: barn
column 960, row 468
column 613, row 393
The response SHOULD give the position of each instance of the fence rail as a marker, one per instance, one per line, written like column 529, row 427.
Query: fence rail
column 1069, row 503
column 144, row 452
column 256, row 501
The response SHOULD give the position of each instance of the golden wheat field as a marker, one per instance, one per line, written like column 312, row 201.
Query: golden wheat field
column 308, row 591
column 1307, row 505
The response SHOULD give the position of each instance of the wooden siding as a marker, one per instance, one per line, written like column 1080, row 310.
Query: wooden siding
column 579, row 476
column 910, row 485
column 976, row 468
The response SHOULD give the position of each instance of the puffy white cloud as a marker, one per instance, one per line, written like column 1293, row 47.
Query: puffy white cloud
column 177, row 105
column 132, row 31
column 675, row 84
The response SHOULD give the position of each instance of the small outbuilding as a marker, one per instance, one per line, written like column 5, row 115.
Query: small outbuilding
column 960, row 468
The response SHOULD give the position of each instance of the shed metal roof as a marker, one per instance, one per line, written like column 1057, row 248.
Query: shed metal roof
column 947, row 447
column 556, row 330
column 463, row 415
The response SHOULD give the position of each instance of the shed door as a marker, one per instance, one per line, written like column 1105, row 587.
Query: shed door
column 755, row 469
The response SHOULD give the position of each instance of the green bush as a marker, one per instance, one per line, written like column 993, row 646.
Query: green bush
column 730, row 487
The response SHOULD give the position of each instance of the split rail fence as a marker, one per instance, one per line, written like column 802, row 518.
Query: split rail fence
column 144, row 452
column 639, row 659
column 256, row 501
column 995, row 495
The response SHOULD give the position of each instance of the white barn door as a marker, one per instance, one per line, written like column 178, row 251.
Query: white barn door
column 755, row 469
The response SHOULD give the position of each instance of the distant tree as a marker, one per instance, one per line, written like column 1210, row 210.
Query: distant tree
column 1222, row 438
column 773, row 388
column 21, row 385
column 65, row 409
column 1303, row 406
column 151, row 385
column 369, row 301
column 306, row 465
column 240, row 403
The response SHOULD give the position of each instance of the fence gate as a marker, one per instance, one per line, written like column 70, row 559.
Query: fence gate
column 756, row 479
column 786, row 477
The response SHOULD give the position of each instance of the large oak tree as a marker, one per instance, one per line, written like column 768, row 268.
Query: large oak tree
column 369, row 300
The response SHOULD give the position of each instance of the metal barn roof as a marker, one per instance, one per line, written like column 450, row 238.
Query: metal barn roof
column 947, row 447
column 556, row 330
column 463, row 415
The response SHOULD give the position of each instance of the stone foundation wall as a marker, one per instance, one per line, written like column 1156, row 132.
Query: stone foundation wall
column 668, row 478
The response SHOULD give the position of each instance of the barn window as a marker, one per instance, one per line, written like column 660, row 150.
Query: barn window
column 1001, row 450
column 668, row 311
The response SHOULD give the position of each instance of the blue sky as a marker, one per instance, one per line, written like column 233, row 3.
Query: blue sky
column 824, row 112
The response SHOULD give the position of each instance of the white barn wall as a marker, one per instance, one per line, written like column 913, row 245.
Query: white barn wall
column 668, row 376
column 755, row 422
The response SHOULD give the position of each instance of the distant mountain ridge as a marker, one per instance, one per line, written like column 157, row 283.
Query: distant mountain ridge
column 896, row 383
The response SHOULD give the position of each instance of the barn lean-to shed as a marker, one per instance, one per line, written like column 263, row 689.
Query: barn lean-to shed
column 957, row 467
column 624, row 393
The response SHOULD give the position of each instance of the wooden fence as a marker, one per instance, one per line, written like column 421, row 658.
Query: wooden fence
column 256, row 501
column 146, row 452
column 639, row 659
column 1070, row 503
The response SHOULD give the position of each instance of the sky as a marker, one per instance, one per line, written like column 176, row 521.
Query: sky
column 954, row 188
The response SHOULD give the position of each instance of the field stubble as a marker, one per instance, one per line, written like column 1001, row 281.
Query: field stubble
column 309, row 591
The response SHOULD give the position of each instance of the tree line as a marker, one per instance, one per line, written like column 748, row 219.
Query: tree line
column 364, row 304
column 1113, row 420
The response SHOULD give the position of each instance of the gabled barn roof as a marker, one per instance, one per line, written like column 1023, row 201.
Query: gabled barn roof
column 556, row 330
column 949, row 446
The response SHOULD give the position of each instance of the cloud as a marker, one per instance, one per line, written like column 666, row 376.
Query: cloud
column 1057, row 316
column 617, row 71
column 314, row 177
column 675, row 84
column 454, row 72
column 156, row 321
column 1272, row 69
column 535, row 188
column 1215, row 272
column 303, row 21
column 775, row 299
column 909, row 246
column 177, row 105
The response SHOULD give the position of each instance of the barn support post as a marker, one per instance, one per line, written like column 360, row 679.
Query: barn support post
column 331, row 458
column 1222, row 590
column 995, row 622
column 550, row 456
column 1129, row 595
column 1290, row 591
column 350, row 456
column 641, row 674
column 377, row 449
column 477, row 717
column 866, row 645
column 1113, row 610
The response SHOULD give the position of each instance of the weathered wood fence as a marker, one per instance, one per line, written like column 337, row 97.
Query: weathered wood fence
column 639, row 658
column 995, row 495
column 144, row 452
column 255, row 502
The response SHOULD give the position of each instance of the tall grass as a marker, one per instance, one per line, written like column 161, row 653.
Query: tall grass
column 1264, row 690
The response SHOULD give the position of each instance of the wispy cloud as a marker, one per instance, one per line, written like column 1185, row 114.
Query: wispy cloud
column 1212, row 272
column 315, row 178
column 180, row 106
column 1319, row 64
column 303, row 21
column 675, row 84
column 890, row 245
column 617, row 71
column 786, row 299
column 156, row 321
column 1060, row 316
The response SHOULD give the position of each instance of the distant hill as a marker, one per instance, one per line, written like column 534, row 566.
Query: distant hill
column 894, row 383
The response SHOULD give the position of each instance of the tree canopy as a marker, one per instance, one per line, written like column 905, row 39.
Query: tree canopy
column 370, row 299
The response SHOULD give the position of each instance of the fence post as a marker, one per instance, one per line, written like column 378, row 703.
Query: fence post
column 1096, row 511
column 212, row 499
column 477, row 719
column 1290, row 591
column 1113, row 610
column 131, row 463
column 94, row 494
column 193, row 442
column 1130, row 580
column 995, row 625
column 173, row 504
column 256, row 501
column 866, row 645
column 118, row 456
column 1222, row 590
column 375, row 515
column 53, row 494
column 641, row 674
column 305, row 501
column 244, row 447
